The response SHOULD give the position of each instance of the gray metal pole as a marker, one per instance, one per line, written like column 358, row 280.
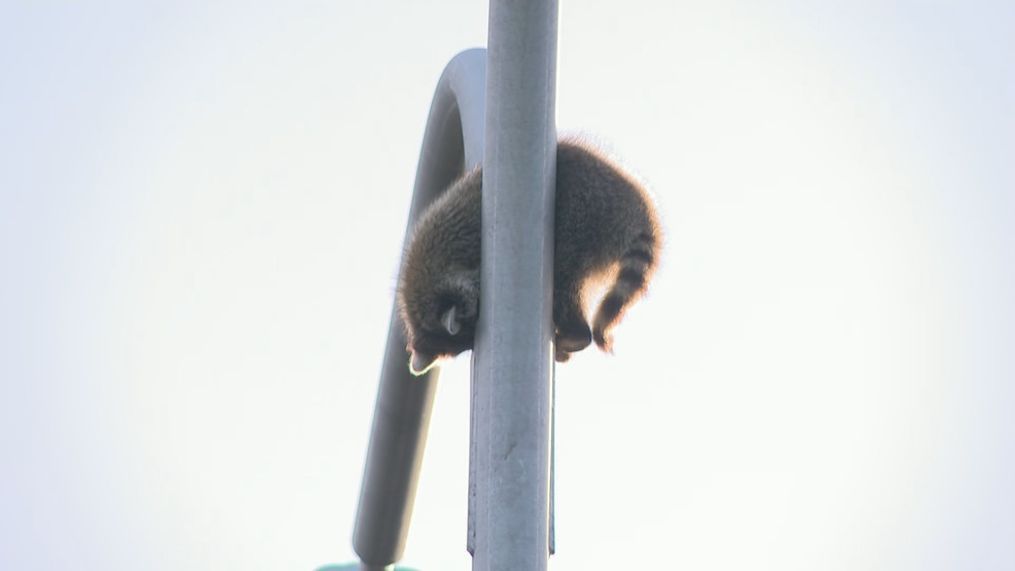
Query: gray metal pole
column 512, row 360
column 453, row 140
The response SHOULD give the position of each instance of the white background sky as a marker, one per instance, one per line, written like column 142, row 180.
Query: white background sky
column 202, row 205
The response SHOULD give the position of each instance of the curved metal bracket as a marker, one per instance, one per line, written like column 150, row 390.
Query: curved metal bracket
column 453, row 141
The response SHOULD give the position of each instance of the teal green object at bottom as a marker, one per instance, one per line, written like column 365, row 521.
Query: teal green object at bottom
column 356, row 567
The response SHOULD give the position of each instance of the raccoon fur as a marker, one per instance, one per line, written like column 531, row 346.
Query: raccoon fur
column 606, row 230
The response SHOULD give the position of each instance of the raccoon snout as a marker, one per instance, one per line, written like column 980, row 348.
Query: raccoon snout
column 421, row 363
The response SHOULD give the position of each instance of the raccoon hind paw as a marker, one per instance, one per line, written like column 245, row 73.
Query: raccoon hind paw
column 573, row 338
column 561, row 356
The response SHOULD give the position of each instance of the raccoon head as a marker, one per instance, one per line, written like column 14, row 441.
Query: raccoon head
column 441, row 321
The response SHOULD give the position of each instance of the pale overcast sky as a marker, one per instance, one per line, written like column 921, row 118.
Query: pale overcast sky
column 202, row 206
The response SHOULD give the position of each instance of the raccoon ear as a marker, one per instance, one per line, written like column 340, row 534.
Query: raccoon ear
column 450, row 321
column 421, row 363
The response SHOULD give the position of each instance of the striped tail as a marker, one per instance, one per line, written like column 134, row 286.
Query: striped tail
column 636, row 267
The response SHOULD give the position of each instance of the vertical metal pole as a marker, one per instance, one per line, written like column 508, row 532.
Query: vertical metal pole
column 512, row 360
column 453, row 141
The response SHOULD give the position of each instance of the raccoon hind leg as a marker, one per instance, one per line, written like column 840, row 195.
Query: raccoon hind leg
column 636, row 266
column 572, row 329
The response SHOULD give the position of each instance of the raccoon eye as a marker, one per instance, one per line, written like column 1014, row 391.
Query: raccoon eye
column 450, row 321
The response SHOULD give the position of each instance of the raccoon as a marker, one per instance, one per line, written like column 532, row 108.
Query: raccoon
column 607, row 230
